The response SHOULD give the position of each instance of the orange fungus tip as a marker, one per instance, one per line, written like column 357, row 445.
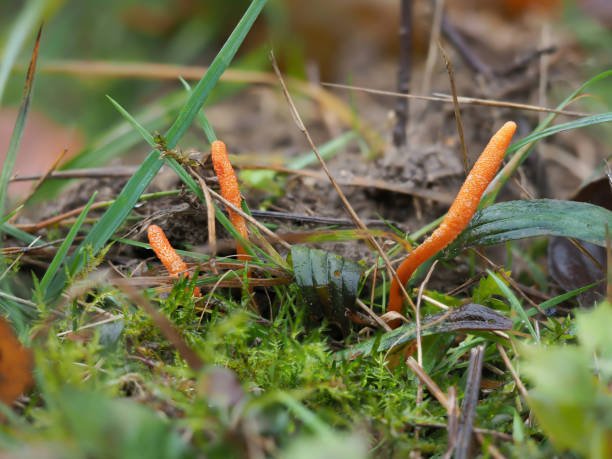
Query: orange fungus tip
column 229, row 189
column 459, row 214
column 172, row 261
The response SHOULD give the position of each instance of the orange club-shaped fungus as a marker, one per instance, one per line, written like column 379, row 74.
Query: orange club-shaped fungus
column 460, row 213
column 171, row 260
column 230, row 191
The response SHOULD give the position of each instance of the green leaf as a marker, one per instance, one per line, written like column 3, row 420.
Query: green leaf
column 571, row 397
column 20, row 235
column 593, row 330
column 328, row 283
column 508, row 221
column 564, row 393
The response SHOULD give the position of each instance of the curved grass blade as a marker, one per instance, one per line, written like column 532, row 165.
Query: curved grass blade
column 575, row 124
column 60, row 255
column 508, row 221
column 114, row 217
column 515, row 304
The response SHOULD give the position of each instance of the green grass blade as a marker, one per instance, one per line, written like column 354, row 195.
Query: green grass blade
column 560, row 299
column 60, row 256
column 148, row 137
column 217, row 67
column 209, row 132
column 114, row 217
column 116, row 141
column 327, row 151
column 25, row 24
column 515, row 304
column 11, row 155
column 20, row 235
column 145, row 134
column 579, row 123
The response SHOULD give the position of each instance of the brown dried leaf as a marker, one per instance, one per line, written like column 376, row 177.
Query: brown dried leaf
column 16, row 364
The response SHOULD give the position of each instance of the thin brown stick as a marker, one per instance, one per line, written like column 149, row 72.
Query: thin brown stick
column 210, row 213
column 461, row 99
column 434, row 389
column 457, row 40
column 470, row 401
column 300, row 124
column 434, row 38
column 515, row 376
column 452, row 424
column 381, row 323
column 171, row 72
column 403, row 74
column 417, row 316
column 458, row 119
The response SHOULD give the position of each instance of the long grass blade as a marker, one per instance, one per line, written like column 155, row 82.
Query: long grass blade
column 60, row 255
column 30, row 17
column 11, row 155
column 515, row 304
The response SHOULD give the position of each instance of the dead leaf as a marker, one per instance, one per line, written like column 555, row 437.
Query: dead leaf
column 16, row 364
column 569, row 265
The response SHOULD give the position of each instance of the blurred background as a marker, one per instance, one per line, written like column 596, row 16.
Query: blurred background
column 347, row 41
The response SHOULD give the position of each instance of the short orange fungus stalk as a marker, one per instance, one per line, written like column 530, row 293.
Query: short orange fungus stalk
column 171, row 260
column 229, row 190
column 460, row 213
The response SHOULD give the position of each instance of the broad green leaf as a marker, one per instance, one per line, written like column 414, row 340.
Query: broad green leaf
column 327, row 282
column 508, row 221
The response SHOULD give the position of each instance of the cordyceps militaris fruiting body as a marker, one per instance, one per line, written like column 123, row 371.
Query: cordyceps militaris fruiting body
column 171, row 260
column 229, row 190
column 460, row 213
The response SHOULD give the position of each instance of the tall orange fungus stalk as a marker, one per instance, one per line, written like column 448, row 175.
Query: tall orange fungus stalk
column 229, row 190
column 460, row 213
